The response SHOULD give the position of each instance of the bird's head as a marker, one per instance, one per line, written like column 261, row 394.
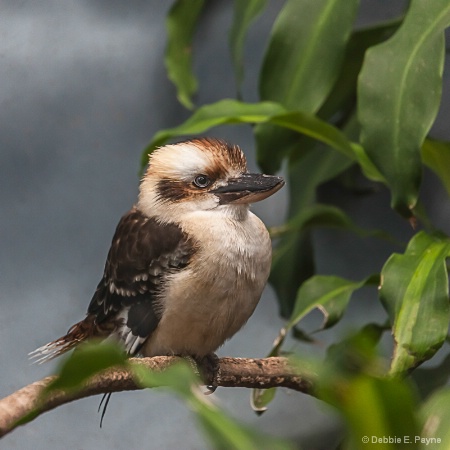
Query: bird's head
column 201, row 174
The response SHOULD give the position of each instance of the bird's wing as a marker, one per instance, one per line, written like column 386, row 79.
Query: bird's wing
column 143, row 252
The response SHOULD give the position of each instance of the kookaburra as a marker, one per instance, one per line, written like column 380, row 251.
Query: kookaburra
column 188, row 263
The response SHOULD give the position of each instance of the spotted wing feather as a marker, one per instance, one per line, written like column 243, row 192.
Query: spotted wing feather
column 143, row 252
column 125, row 304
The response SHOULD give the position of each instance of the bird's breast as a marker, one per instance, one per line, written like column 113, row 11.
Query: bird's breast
column 211, row 299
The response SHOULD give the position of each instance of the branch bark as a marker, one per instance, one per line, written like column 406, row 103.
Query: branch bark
column 232, row 372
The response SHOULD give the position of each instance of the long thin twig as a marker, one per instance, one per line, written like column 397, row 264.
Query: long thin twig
column 232, row 372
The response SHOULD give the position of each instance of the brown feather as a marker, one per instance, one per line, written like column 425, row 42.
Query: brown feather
column 78, row 333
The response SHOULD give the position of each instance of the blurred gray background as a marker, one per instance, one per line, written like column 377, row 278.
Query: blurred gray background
column 82, row 91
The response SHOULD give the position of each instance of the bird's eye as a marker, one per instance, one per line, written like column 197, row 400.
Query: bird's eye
column 202, row 181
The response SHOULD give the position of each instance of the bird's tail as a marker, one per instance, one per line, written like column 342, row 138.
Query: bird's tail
column 76, row 334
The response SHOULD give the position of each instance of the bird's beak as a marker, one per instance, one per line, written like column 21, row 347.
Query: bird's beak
column 248, row 188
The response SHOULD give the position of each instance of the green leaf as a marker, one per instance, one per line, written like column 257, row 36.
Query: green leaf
column 399, row 91
column 290, row 267
column 235, row 112
column 223, row 112
column 436, row 417
column 305, row 52
column 310, row 126
column 301, row 65
column 414, row 291
column 436, row 155
column 326, row 216
column 85, row 362
column 180, row 377
column 381, row 410
column 292, row 264
column 181, row 23
column 245, row 11
column 318, row 129
column 293, row 260
column 374, row 407
column 330, row 294
column 260, row 398
column 355, row 354
column 223, row 432
column 343, row 94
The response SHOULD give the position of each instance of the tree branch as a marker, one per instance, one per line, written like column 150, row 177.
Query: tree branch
column 232, row 372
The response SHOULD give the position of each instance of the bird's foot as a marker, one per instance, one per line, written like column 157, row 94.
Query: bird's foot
column 206, row 367
column 209, row 368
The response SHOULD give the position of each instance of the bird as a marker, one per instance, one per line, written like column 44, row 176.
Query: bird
column 187, row 263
